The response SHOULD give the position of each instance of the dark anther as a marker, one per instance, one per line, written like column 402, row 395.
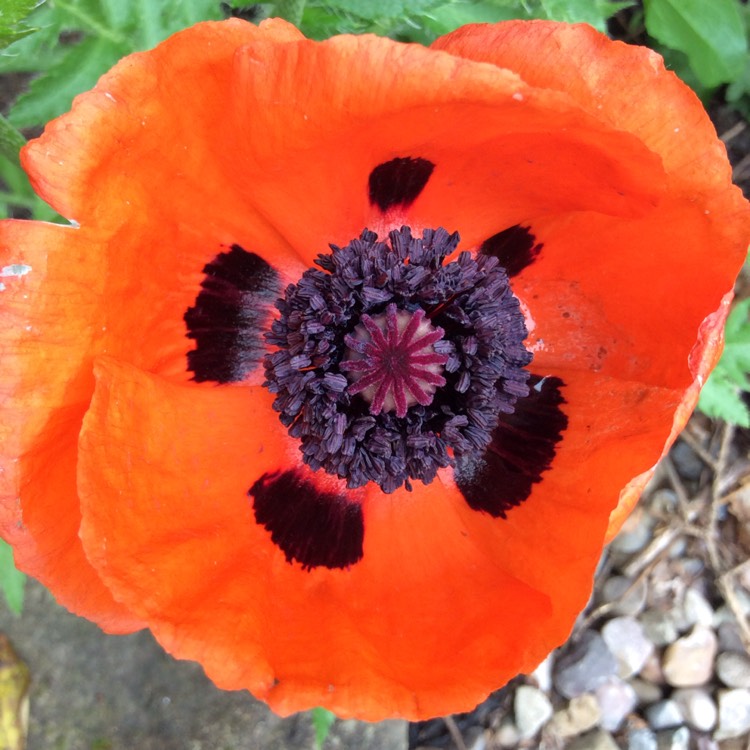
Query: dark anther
column 515, row 248
column 398, row 182
column 461, row 368
column 229, row 316
column 313, row 528
column 522, row 449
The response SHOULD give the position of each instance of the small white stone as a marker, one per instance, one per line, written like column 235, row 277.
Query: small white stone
column 581, row 715
column 543, row 673
column 694, row 609
column 697, row 707
column 734, row 713
column 664, row 715
column 532, row 710
column 733, row 669
column 507, row 735
column 689, row 661
column 659, row 627
column 627, row 640
column 616, row 700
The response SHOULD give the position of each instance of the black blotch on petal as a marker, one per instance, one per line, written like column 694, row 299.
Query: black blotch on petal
column 523, row 447
column 399, row 182
column 515, row 248
column 229, row 316
column 313, row 528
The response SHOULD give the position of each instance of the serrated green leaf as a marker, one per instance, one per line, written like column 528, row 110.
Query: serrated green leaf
column 372, row 9
column 37, row 51
column 322, row 720
column 593, row 12
column 721, row 397
column 12, row 581
column 51, row 93
column 12, row 16
column 711, row 34
column 449, row 16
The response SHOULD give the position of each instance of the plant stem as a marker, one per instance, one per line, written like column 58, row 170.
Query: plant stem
column 289, row 10
column 11, row 141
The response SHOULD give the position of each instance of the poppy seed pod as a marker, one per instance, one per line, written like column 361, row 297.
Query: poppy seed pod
column 356, row 353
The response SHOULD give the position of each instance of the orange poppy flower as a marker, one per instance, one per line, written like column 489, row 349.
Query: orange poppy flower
column 357, row 352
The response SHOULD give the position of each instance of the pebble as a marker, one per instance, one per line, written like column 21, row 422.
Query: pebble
column 584, row 666
column 647, row 692
column 729, row 632
column 630, row 603
column 628, row 643
column 734, row 713
column 532, row 710
column 642, row 739
column 688, row 662
column 664, row 503
column 507, row 735
column 697, row 707
column 733, row 669
column 686, row 462
column 542, row 675
column 694, row 609
column 659, row 627
column 581, row 715
column 664, row 715
column 596, row 740
column 616, row 699
column 652, row 670
column 677, row 739
column 635, row 533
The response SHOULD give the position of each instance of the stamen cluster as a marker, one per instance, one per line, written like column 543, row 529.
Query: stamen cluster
column 481, row 352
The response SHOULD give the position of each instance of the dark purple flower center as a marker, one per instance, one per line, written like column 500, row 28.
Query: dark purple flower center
column 390, row 363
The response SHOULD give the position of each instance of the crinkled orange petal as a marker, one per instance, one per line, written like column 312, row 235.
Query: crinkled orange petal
column 624, row 85
column 446, row 603
column 319, row 122
column 624, row 275
column 144, row 140
column 44, row 392
column 169, row 525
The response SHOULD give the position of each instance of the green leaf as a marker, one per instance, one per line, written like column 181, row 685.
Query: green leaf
column 322, row 720
column 711, row 34
column 593, row 12
column 51, row 93
column 721, row 397
column 12, row 15
column 371, row 9
column 12, row 580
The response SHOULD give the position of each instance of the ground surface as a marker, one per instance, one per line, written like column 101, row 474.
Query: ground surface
column 90, row 691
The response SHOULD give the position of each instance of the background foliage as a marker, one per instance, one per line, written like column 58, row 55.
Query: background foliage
column 56, row 49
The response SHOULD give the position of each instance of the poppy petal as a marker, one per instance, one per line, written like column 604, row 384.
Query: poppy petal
column 595, row 71
column 229, row 316
column 398, row 182
column 183, row 549
column 523, row 447
column 40, row 416
column 142, row 142
column 414, row 114
column 515, row 248
column 312, row 527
